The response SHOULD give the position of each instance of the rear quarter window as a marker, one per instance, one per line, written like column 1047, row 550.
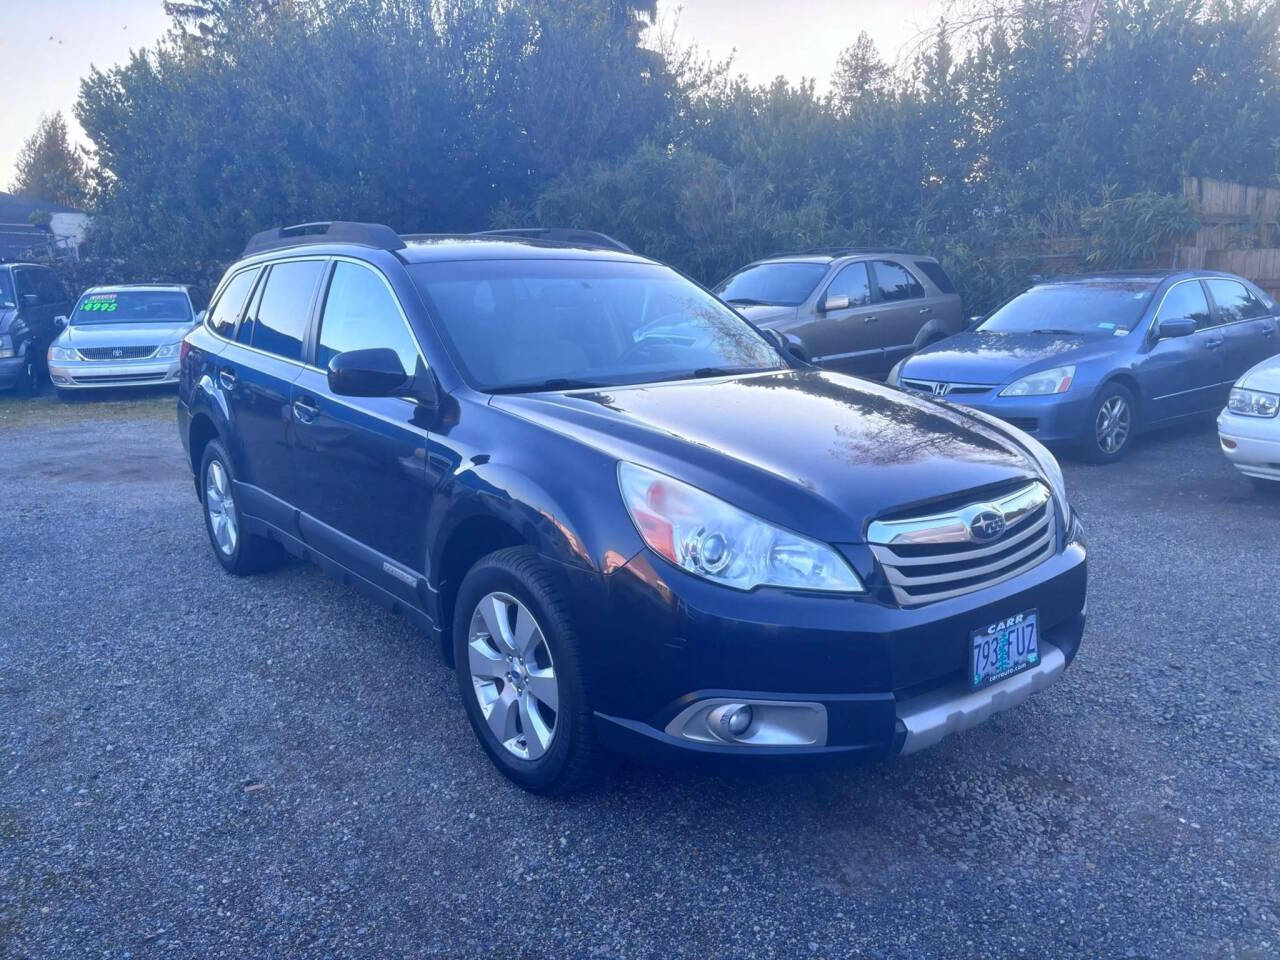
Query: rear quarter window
column 936, row 275
column 225, row 310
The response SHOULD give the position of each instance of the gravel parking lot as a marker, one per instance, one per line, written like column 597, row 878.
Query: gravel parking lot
column 197, row 766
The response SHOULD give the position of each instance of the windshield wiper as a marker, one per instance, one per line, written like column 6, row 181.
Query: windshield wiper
column 750, row 302
column 1054, row 330
column 555, row 383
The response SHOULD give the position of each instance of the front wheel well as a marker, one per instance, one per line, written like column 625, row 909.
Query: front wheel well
column 471, row 540
column 1128, row 382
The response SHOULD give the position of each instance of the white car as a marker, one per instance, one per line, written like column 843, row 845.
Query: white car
column 1249, row 428
column 123, row 336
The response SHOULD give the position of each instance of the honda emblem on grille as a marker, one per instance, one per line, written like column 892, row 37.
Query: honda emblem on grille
column 941, row 389
column 986, row 524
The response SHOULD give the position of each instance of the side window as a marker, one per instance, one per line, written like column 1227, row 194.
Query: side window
column 281, row 315
column 935, row 273
column 1234, row 301
column 222, row 316
column 360, row 312
column 852, row 282
column 24, row 283
column 1186, row 300
column 896, row 282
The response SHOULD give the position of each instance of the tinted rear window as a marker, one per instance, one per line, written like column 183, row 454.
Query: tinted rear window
column 281, row 317
column 937, row 275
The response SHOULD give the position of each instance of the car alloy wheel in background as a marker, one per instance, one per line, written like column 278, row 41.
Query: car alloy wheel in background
column 1109, row 432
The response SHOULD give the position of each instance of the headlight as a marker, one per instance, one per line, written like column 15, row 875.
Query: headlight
column 62, row 354
column 1041, row 384
column 1253, row 403
column 6, row 347
column 168, row 350
column 718, row 542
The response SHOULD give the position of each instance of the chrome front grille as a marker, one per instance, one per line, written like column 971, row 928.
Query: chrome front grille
column 932, row 558
column 116, row 353
column 941, row 388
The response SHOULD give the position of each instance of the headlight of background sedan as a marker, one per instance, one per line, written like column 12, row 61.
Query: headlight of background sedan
column 168, row 350
column 1041, row 384
column 1253, row 403
column 6, row 347
column 718, row 542
column 62, row 354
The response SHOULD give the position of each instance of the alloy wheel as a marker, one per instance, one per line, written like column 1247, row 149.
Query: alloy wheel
column 221, row 507
column 513, row 675
column 1113, row 424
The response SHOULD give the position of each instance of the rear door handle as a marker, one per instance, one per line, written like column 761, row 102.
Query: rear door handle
column 870, row 319
column 924, row 310
column 1268, row 331
column 1212, row 344
column 305, row 409
column 227, row 377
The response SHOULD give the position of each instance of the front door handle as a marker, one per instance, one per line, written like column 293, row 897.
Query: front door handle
column 926, row 310
column 870, row 319
column 1268, row 331
column 1212, row 344
column 305, row 409
column 227, row 377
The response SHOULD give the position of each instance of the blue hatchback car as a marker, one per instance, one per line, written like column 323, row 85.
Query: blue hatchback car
column 1091, row 361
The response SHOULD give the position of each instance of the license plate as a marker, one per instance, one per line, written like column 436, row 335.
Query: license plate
column 1004, row 648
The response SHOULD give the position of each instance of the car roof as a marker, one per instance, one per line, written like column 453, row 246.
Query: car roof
column 832, row 254
column 121, row 287
column 1139, row 276
column 427, row 248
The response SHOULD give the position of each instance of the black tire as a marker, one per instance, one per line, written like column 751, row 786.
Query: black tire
column 28, row 384
column 248, row 554
column 1098, row 444
column 573, row 760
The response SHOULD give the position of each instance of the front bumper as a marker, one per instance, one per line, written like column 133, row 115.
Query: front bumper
column 96, row 374
column 887, row 680
column 1252, row 444
column 1054, row 420
column 11, row 369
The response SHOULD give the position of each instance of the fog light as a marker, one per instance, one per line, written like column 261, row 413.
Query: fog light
column 736, row 720
column 1228, row 444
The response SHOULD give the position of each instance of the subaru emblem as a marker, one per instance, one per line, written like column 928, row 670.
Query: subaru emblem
column 986, row 524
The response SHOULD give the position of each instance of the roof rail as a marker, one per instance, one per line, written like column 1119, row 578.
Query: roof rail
column 842, row 252
column 568, row 235
column 324, row 231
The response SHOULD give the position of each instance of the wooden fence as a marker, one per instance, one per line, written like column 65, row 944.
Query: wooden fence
column 1239, row 232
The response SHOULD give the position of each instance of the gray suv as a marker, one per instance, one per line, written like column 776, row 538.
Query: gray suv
column 853, row 310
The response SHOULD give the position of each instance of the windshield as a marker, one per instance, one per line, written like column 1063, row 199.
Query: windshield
column 772, row 284
column 1102, row 307
column 6, row 290
column 559, row 324
column 132, row 306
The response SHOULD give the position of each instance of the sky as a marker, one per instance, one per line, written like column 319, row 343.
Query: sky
column 46, row 46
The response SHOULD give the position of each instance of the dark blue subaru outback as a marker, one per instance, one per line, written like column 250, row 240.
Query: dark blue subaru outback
column 632, row 522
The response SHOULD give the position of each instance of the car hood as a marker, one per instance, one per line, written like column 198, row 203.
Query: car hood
column 811, row 450
column 993, row 358
column 765, row 315
column 1265, row 376
column 123, row 334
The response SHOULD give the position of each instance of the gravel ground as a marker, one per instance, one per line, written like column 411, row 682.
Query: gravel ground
column 193, row 765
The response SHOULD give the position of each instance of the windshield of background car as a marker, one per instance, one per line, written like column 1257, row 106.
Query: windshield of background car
column 6, row 290
column 774, row 284
column 1105, row 308
column 132, row 306
column 557, row 324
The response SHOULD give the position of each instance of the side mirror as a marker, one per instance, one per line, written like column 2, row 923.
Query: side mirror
column 1175, row 327
column 835, row 303
column 972, row 323
column 60, row 322
column 376, row 372
column 790, row 346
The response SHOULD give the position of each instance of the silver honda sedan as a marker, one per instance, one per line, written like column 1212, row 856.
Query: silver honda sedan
column 122, row 336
